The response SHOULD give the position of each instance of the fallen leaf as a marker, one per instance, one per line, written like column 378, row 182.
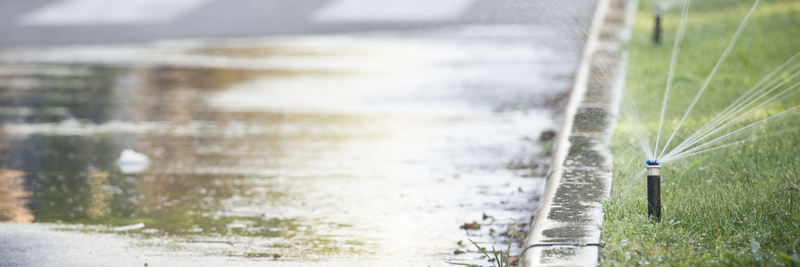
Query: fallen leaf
column 546, row 136
column 471, row 226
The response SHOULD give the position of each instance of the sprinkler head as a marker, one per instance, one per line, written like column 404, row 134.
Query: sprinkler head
column 654, row 190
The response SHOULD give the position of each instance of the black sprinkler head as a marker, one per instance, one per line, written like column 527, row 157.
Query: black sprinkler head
column 652, row 162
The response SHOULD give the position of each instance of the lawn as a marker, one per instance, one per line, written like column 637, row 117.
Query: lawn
column 732, row 206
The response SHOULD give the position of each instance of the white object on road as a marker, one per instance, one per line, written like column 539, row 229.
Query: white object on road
column 132, row 162
column 94, row 12
column 391, row 11
column 128, row 227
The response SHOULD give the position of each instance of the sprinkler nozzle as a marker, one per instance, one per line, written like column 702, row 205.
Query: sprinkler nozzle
column 652, row 162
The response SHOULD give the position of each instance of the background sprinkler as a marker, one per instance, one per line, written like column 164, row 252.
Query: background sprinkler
column 654, row 190
column 657, row 28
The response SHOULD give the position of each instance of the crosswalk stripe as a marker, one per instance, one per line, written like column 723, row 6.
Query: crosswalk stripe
column 391, row 11
column 93, row 12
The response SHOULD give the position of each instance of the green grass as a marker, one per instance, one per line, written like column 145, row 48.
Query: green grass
column 500, row 259
column 734, row 206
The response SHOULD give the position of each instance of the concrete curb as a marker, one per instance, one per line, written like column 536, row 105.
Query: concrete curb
column 566, row 229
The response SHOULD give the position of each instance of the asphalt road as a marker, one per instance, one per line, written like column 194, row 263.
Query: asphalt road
column 49, row 22
column 354, row 132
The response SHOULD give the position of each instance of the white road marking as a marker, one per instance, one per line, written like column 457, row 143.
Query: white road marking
column 391, row 11
column 99, row 12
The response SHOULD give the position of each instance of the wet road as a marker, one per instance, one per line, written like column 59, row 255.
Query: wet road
column 348, row 149
column 37, row 22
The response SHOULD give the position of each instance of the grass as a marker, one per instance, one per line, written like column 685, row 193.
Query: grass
column 500, row 259
column 733, row 206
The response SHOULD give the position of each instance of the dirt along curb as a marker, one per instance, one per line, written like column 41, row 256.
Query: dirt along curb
column 566, row 230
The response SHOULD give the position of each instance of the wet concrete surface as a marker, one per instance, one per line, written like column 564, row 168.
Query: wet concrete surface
column 567, row 229
column 342, row 150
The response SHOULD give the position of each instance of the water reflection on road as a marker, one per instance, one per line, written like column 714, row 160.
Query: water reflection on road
column 374, row 150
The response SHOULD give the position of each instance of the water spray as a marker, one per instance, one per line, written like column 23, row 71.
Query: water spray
column 654, row 190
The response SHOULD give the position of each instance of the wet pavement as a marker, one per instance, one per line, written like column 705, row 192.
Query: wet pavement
column 67, row 22
column 357, row 149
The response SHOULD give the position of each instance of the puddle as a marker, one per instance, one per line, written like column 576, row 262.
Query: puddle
column 330, row 158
